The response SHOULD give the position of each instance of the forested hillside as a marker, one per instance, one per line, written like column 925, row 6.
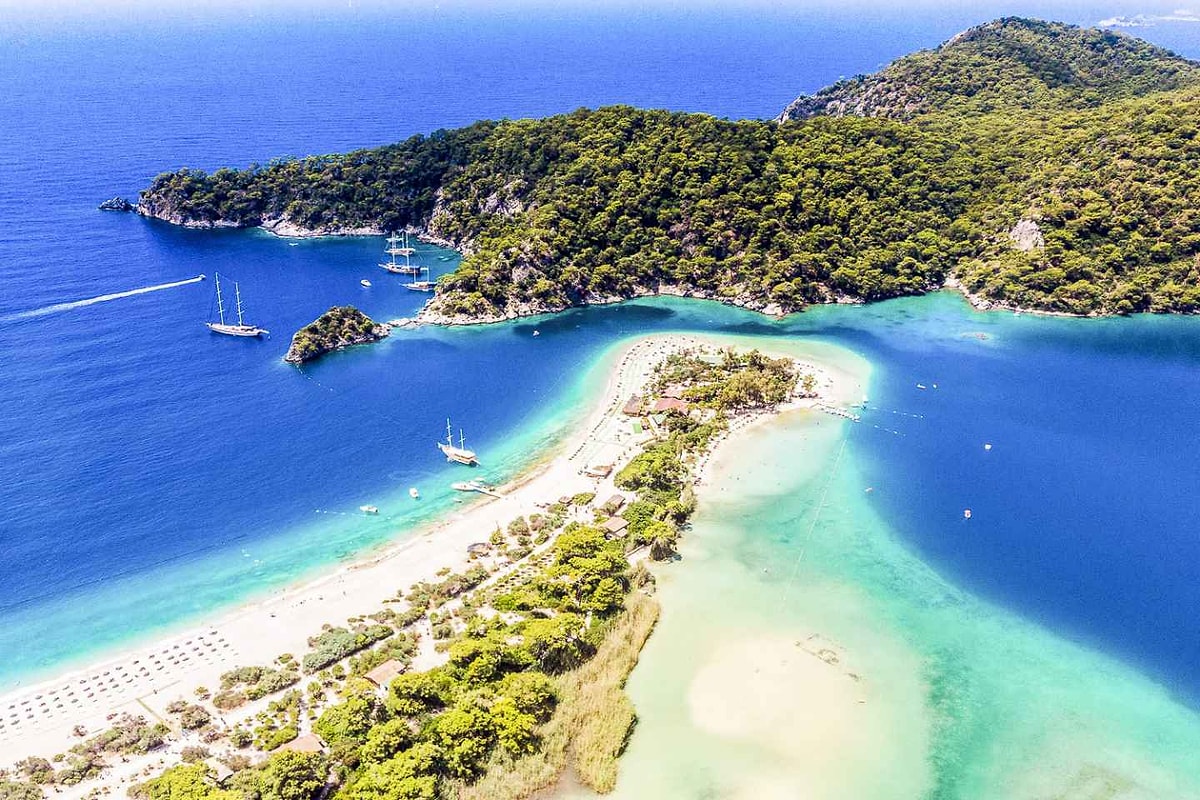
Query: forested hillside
column 1086, row 138
column 1011, row 63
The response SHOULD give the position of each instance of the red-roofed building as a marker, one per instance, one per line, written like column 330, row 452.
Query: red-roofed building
column 670, row 404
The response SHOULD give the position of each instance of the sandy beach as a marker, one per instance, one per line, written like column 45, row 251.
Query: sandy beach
column 41, row 719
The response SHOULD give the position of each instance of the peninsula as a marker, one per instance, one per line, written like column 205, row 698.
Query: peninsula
column 1032, row 164
column 478, row 659
column 340, row 326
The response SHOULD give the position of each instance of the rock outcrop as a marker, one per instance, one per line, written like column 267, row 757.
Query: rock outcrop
column 290, row 230
column 340, row 326
column 116, row 204
column 1026, row 236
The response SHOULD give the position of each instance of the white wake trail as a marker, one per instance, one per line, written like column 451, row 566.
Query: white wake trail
column 104, row 298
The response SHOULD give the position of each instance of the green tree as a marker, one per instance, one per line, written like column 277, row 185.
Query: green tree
column 349, row 720
column 289, row 775
column 185, row 782
column 386, row 740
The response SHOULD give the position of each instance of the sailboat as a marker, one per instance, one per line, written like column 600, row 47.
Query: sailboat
column 458, row 454
column 419, row 286
column 241, row 328
column 399, row 246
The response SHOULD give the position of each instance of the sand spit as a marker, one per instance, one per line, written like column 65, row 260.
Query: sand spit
column 42, row 719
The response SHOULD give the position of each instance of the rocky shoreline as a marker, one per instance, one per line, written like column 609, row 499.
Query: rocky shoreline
column 431, row 315
column 982, row 304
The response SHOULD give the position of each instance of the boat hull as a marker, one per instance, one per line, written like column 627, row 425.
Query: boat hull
column 235, row 330
column 458, row 456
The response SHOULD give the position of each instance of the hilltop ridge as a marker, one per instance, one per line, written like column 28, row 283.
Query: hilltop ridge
column 1032, row 164
column 1009, row 62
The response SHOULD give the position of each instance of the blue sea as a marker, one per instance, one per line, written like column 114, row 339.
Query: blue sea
column 152, row 474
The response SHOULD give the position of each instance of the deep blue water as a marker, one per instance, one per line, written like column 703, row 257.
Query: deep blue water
column 150, row 472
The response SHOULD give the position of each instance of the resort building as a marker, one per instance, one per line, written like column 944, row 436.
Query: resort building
column 381, row 677
column 613, row 526
column 613, row 504
column 308, row 743
column 664, row 404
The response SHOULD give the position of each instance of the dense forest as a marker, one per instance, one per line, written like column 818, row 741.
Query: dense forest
column 877, row 187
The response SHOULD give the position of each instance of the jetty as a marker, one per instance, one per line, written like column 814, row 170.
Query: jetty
column 475, row 486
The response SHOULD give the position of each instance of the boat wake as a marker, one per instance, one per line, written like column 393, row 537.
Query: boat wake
column 104, row 298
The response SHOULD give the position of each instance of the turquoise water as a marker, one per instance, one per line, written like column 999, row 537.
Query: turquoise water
column 960, row 698
column 152, row 475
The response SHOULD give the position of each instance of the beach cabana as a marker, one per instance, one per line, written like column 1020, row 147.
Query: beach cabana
column 599, row 471
column 382, row 675
column 633, row 406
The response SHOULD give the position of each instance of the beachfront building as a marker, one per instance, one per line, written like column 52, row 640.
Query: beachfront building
column 633, row 406
column 664, row 404
column 613, row 504
column 308, row 743
column 381, row 677
column 614, row 527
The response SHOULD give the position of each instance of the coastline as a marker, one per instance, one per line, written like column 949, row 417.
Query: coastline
column 285, row 229
column 146, row 677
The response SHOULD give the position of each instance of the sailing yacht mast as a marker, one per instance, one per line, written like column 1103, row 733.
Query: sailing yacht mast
column 237, row 291
column 220, row 305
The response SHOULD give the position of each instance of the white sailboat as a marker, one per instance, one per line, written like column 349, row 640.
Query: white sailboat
column 419, row 286
column 229, row 329
column 399, row 246
column 458, row 454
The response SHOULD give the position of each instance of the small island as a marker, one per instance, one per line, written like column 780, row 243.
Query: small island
column 340, row 326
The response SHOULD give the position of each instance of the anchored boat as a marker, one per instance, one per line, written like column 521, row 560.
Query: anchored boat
column 458, row 454
column 420, row 286
column 399, row 246
column 474, row 486
column 229, row 329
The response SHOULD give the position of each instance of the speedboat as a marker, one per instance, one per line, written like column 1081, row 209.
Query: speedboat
column 413, row 493
column 368, row 509
column 365, row 283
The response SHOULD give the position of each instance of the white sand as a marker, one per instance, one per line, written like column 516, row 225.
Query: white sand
column 39, row 719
